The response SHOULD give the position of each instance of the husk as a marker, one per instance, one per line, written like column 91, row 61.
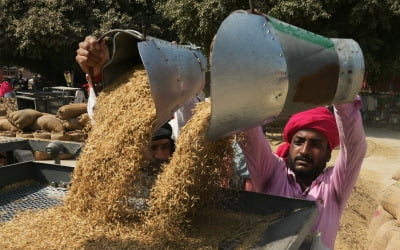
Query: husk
column 97, row 212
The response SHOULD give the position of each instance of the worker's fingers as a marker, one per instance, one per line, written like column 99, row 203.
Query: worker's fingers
column 92, row 53
column 82, row 61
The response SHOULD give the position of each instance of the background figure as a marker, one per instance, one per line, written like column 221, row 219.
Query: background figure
column 183, row 114
column 240, row 168
column 31, row 84
column 6, row 89
column 159, row 152
column 161, row 149
column 371, row 106
column 68, row 78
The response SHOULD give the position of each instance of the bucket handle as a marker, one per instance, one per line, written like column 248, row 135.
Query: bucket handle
column 109, row 33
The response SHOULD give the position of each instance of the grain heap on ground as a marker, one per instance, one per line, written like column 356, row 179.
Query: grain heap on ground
column 97, row 213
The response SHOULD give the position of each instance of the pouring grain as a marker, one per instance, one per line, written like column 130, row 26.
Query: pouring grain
column 114, row 152
column 97, row 213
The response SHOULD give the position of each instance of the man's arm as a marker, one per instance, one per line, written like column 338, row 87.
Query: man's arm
column 260, row 159
column 353, row 147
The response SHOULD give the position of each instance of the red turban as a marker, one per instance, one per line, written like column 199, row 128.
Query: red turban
column 320, row 119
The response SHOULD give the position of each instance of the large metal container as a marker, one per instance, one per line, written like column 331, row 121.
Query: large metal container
column 176, row 72
column 47, row 187
column 262, row 68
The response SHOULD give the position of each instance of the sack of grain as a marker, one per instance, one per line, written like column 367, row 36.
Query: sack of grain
column 41, row 156
column 8, row 133
column 72, row 124
column 42, row 135
column 77, row 136
column 389, row 198
column 60, row 136
column 384, row 235
column 394, row 243
column 23, row 118
column 66, row 156
column 48, row 123
column 6, row 125
column 380, row 217
column 21, row 134
column 71, row 110
column 83, row 119
column 396, row 175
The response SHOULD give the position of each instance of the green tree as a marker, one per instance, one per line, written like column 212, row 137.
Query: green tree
column 198, row 21
column 373, row 24
column 43, row 35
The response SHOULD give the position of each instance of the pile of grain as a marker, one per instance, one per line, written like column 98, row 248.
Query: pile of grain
column 198, row 167
column 97, row 213
column 114, row 151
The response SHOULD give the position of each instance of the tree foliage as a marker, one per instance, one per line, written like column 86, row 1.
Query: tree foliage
column 372, row 23
column 43, row 35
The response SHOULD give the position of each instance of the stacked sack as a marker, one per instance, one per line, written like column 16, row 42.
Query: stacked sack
column 7, row 105
column 66, row 125
column 74, row 119
column 384, row 228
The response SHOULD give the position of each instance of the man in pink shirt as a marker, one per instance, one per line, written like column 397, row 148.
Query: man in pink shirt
column 298, row 169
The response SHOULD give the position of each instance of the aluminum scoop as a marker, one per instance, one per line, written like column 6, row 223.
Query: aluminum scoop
column 263, row 68
column 176, row 72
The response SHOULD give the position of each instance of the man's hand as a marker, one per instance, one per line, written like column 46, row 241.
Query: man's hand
column 92, row 53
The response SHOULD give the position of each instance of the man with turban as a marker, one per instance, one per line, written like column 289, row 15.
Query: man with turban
column 298, row 168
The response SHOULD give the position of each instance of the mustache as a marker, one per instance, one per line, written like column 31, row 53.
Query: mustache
column 156, row 162
column 304, row 158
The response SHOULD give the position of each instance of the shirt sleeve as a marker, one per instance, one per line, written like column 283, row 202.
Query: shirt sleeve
column 261, row 161
column 2, row 89
column 185, row 113
column 353, row 147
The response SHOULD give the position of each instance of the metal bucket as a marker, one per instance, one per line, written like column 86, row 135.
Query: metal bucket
column 262, row 68
column 176, row 72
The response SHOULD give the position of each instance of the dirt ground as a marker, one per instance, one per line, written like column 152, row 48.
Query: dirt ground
column 381, row 161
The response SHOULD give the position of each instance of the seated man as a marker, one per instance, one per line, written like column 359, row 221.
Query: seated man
column 298, row 169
